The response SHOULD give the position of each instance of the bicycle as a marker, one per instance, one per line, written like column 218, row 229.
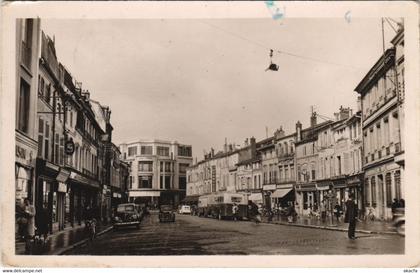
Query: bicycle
column 370, row 216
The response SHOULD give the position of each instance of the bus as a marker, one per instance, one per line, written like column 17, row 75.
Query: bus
column 220, row 205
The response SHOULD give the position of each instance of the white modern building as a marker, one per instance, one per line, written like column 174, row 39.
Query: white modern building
column 158, row 170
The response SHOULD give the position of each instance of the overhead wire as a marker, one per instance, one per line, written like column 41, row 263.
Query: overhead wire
column 278, row 50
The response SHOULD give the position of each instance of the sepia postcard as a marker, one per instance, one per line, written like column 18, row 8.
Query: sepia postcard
column 210, row 134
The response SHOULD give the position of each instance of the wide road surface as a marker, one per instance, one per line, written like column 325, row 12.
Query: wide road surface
column 191, row 235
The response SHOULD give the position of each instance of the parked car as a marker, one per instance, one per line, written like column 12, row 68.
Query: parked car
column 398, row 219
column 185, row 209
column 128, row 214
column 166, row 213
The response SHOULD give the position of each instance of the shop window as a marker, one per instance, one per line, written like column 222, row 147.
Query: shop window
column 132, row 151
column 367, row 193
column 167, row 182
column 397, row 181
column 388, row 190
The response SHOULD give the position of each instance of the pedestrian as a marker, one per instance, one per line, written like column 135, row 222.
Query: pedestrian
column 29, row 211
column 21, row 220
column 402, row 203
column 290, row 212
column 323, row 211
column 351, row 216
column 395, row 204
column 42, row 221
column 253, row 213
column 235, row 211
column 337, row 212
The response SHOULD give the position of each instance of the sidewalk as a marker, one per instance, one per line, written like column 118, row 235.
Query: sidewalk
column 63, row 240
column 375, row 227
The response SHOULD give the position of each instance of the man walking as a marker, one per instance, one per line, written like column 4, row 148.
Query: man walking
column 235, row 211
column 351, row 216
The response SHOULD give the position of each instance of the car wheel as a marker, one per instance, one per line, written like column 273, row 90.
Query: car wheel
column 401, row 229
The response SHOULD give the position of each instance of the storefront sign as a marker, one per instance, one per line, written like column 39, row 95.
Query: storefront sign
column 62, row 176
column 62, row 187
column 269, row 187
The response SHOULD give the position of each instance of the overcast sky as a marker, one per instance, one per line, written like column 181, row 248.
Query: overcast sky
column 199, row 81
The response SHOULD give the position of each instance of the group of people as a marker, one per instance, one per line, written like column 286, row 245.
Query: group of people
column 397, row 204
column 28, row 225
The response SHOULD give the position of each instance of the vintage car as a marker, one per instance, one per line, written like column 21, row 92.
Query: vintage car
column 185, row 209
column 128, row 214
column 166, row 213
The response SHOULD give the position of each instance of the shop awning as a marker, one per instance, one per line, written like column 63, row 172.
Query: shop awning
column 280, row 193
column 143, row 193
column 190, row 199
column 255, row 197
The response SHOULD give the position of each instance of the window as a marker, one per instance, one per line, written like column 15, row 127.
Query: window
column 163, row 151
column 184, row 151
column 132, row 151
column 23, row 107
column 339, row 164
column 131, row 182
column 47, row 141
column 388, row 190
column 286, row 173
column 146, row 150
column 145, row 181
column 281, row 173
column 313, row 174
column 397, row 181
column 61, row 152
column 167, row 182
column 71, row 118
column 27, row 26
column 373, row 193
column 40, row 137
column 145, row 166
column 47, row 94
column 367, row 192
column 182, row 182
column 167, row 167
column 56, row 148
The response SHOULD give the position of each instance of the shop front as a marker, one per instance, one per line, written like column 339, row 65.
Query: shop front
column 145, row 197
column 83, row 193
column 306, row 198
column 46, row 192
column 24, row 174
column 283, row 195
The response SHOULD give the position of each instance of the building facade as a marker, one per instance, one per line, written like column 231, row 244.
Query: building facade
column 27, row 55
column 158, row 171
column 382, row 97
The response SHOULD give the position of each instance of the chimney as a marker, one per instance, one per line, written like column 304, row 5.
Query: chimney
column 212, row 152
column 246, row 142
column 344, row 113
column 336, row 116
column 359, row 103
column 313, row 119
column 298, row 131
column 225, row 146
column 279, row 132
column 253, row 148
column 230, row 148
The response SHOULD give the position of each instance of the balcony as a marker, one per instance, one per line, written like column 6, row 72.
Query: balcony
column 26, row 55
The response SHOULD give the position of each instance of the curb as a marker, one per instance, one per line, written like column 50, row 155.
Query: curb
column 334, row 228
column 80, row 243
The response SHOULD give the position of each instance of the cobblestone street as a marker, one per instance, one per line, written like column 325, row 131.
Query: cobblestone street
column 191, row 235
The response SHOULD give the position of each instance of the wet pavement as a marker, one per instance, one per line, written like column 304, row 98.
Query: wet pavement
column 365, row 226
column 192, row 235
column 58, row 241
